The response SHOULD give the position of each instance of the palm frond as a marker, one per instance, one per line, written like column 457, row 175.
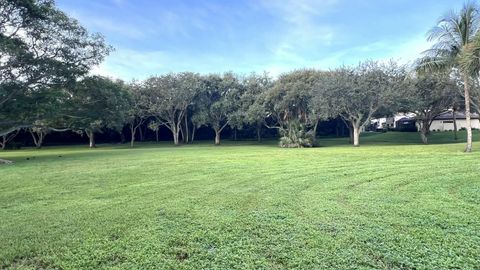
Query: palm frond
column 433, row 64
column 457, row 42
column 469, row 58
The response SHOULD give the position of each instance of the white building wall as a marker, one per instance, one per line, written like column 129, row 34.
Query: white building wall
column 447, row 125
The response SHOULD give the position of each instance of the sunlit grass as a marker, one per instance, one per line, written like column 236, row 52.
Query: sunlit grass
column 391, row 203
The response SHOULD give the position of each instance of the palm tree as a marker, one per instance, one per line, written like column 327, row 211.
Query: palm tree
column 455, row 37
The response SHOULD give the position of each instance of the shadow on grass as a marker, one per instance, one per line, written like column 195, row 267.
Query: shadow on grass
column 399, row 138
column 73, row 152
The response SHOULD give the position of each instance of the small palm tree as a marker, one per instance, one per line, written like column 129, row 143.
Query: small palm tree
column 455, row 36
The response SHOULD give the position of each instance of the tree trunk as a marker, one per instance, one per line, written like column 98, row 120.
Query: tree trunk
column 235, row 134
column 315, row 129
column 4, row 142
column 41, row 136
column 91, row 137
column 140, row 133
column 424, row 129
column 176, row 135
column 193, row 134
column 33, row 137
column 424, row 137
column 175, row 138
column 132, row 132
column 259, row 132
column 186, row 129
column 455, row 136
column 468, row 121
column 180, row 130
column 156, row 134
column 356, row 135
column 217, row 137
column 7, row 138
column 37, row 138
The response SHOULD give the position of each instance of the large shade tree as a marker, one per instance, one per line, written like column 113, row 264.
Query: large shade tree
column 169, row 97
column 138, row 111
column 45, row 110
column 250, row 111
column 358, row 93
column 219, row 102
column 428, row 95
column 97, row 103
column 287, row 107
column 40, row 46
column 456, row 35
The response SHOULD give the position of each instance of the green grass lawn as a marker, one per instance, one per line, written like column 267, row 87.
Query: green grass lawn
column 389, row 204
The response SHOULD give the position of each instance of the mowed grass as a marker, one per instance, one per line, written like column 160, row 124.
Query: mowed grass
column 389, row 204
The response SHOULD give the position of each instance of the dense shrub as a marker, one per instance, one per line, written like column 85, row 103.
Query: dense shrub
column 296, row 136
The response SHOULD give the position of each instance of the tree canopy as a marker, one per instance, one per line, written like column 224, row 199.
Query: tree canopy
column 41, row 48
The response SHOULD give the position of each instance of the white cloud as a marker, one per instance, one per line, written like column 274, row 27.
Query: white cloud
column 300, row 31
column 301, row 40
column 404, row 52
column 411, row 49
column 108, row 26
column 298, row 11
column 130, row 64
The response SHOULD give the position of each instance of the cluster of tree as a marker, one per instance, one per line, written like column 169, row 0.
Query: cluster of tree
column 44, row 86
column 42, row 50
column 183, row 102
column 293, row 104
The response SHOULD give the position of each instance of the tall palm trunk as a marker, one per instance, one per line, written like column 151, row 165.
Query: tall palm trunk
column 468, row 120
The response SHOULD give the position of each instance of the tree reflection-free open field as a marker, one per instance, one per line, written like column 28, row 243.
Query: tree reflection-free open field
column 391, row 204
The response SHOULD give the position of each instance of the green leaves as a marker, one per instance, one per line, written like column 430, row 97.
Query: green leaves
column 43, row 51
column 97, row 103
column 456, row 42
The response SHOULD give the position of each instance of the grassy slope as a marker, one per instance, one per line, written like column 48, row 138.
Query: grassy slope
column 245, row 206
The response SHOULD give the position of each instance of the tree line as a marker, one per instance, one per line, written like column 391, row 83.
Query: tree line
column 46, row 57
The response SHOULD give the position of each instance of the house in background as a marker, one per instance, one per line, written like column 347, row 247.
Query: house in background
column 444, row 121
column 407, row 122
column 389, row 123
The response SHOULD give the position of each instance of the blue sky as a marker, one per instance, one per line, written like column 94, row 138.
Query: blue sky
column 153, row 37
